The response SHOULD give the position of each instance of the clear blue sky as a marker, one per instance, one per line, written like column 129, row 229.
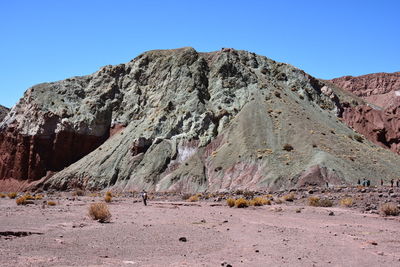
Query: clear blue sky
column 44, row 41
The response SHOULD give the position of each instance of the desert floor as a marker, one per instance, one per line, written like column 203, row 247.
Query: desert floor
column 138, row 235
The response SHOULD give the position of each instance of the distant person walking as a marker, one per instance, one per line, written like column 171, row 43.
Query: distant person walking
column 144, row 197
column 392, row 182
column 398, row 183
column 358, row 182
column 381, row 182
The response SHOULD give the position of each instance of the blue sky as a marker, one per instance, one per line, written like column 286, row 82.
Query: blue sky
column 43, row 41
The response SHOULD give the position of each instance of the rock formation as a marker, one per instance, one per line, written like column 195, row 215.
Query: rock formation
column 180, row 120
column 3, row 112
column 379, row 121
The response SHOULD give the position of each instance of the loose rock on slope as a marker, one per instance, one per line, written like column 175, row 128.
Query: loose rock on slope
column 3, row 112
column 180, row 120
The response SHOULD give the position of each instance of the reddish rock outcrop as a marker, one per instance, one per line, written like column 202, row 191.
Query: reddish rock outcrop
column 25, row 157
column 380, row 123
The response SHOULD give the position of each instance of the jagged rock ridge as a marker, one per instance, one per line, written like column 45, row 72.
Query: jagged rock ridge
column 380, row 120
column 3, row 112
column 180, row 120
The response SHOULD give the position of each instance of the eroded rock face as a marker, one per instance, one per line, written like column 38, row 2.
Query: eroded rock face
column 3, row 112
column 179, row 120
column 379, row 122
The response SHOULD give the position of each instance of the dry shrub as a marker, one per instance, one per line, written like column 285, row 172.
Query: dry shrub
column 318, row 202
column 241, row 203
column 2, row 195
column 108, row 193
column 21, row 201
column 29, row 197
column 99, row 212
column 12, row 195
column 39, row 197
column 313, row 201
column 230, row 202
column 278, row 201
column 51, row 203
column 289, row 197
column 108, row 198
column 346, row 202
column 390, row 209
column 194, row 198
column 260, row 201
column 358, row 138
column 288, row 147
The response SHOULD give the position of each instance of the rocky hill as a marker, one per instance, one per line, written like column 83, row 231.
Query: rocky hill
column 380, row 120
column 3, row 112
column 180, row 120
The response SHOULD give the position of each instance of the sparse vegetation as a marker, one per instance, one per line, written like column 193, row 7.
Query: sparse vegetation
column 346, row 202
column 260, row 201
column 108, row 193
column 230, row 202
column 288, row 147
column 51, row 203
column 390, row 209
column 289, row 197
column 318, row 202
column 248, row 194
column 194, row 198
column 39, row 197
column 108, row 198
column 29, row 197
column 99, row 212
column 241, row 203
column 21, row 200
column 12, row 195
column 2, row 195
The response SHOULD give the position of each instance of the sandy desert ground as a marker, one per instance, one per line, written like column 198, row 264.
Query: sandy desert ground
column 279, row 235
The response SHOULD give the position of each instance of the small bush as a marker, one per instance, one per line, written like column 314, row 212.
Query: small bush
column 29, row 197
column 108, row 193
column 21, row 201
column 289, row 197
column 346, row 202
column 39, row 197
column 317, row 202
column 313, row 201
column 108, row 198
column 390, row 209
column 288, row 147
column 230, row 202
column 278, row 201
column 2, row 195
column 194, row 198
column 241, row 203
column 99, row 212
column 260, row 201
column 51, row 203
column 12, row 195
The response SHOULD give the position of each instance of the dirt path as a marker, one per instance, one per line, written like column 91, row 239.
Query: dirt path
column 63, row 235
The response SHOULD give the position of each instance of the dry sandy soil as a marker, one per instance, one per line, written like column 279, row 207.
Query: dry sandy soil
column 277, row 235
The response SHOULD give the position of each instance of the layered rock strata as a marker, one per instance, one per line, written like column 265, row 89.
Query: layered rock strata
column 180, row 120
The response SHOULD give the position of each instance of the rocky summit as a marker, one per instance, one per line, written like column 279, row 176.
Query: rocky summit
column 183, row 121
column 3, row 112
column 379, row 119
